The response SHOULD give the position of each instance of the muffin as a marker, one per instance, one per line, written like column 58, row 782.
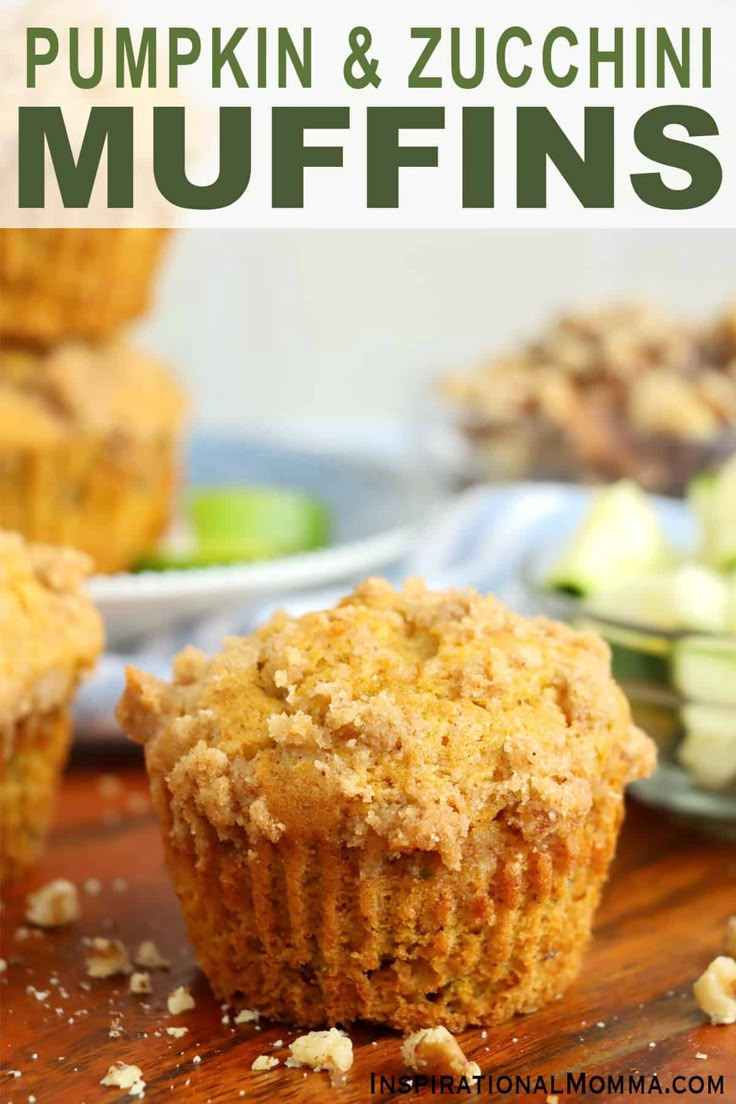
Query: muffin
column 88, row 448
column 51, row 635
column 57, row 285
column 401, row 809
column 622, row 392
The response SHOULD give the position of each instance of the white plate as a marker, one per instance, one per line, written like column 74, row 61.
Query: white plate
column 374, row 512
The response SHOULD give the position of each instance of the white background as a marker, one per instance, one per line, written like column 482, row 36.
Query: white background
column 282, row 328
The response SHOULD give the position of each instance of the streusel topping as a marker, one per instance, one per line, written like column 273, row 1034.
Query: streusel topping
column 96, row 389
column 412, row 715
column 50, row 633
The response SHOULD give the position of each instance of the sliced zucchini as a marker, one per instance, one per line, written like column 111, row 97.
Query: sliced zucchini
column 228, row 525
column 691, row 596
column 283, row 520
column 713, row 498
column 620, row 538
column 704, row 670
column 708, row 750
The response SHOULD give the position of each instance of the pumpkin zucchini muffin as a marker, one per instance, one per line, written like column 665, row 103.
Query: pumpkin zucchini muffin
column 50, row 635
column 88, row 448
column 56, row 285
column 401, row 809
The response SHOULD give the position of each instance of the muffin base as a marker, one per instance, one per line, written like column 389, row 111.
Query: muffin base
column 62, row 284
column 329, row 934
column 108, row 501
column 34, row 754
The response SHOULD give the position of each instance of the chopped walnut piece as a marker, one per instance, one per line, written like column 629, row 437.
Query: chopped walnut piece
column 140, row 982
column 53, row 905
column 265, row 1062
column 180, row 1000
column 108, row 958
column 149, row 956
column 731, row 937
column 177, row 1032
column 323, row 1050
column 247, row 1015
column 715, row 991
column 435, row 1050
column 122, row 1076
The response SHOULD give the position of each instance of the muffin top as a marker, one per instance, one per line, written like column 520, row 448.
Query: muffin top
column 50, row 633
column 103, row 390
column 627, row 363
column 414, row 715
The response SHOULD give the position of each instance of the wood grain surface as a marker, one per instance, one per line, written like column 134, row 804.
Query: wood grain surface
column 631, row 1013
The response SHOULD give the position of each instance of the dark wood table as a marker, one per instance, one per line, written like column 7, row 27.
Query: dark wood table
column 631, row 1013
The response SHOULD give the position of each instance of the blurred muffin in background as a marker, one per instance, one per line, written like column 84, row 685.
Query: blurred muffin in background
column 51, row 635
column 89, row 441
column 57, row 284
column 622, row 392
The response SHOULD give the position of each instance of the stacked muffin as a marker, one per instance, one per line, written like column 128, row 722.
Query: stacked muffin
column 88, row 424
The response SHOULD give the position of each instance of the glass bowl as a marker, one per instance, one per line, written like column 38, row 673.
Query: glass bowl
column 694, row 731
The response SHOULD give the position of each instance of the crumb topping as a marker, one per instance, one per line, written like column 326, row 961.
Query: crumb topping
column 53, row 905
column 715, row 991
column 595, row 371
column 104, row 390
column 435, row 1050
column 409, row 714
column 50, row 633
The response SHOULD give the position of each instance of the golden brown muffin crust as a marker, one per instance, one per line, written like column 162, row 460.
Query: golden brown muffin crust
column 411, row 715
column 50, row 633
column 104, row 390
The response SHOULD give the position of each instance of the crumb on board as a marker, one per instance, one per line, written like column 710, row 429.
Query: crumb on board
column 323, row 1050
column 140, row 982
column 715, row 991
column 108, row 958
column 180, row 1000
column 177, row 1032
column 92, row 887
column 435, row 1050
column 3, row 965
column 247, row 1015
column 265, row 1062
column 53, row 905
column 116, row 1027
column 149, row 956
column 122, row 1076
column 702, row 1057
column 731, row 937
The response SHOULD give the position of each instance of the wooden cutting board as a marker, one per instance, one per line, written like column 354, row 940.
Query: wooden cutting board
column 631, row 1013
